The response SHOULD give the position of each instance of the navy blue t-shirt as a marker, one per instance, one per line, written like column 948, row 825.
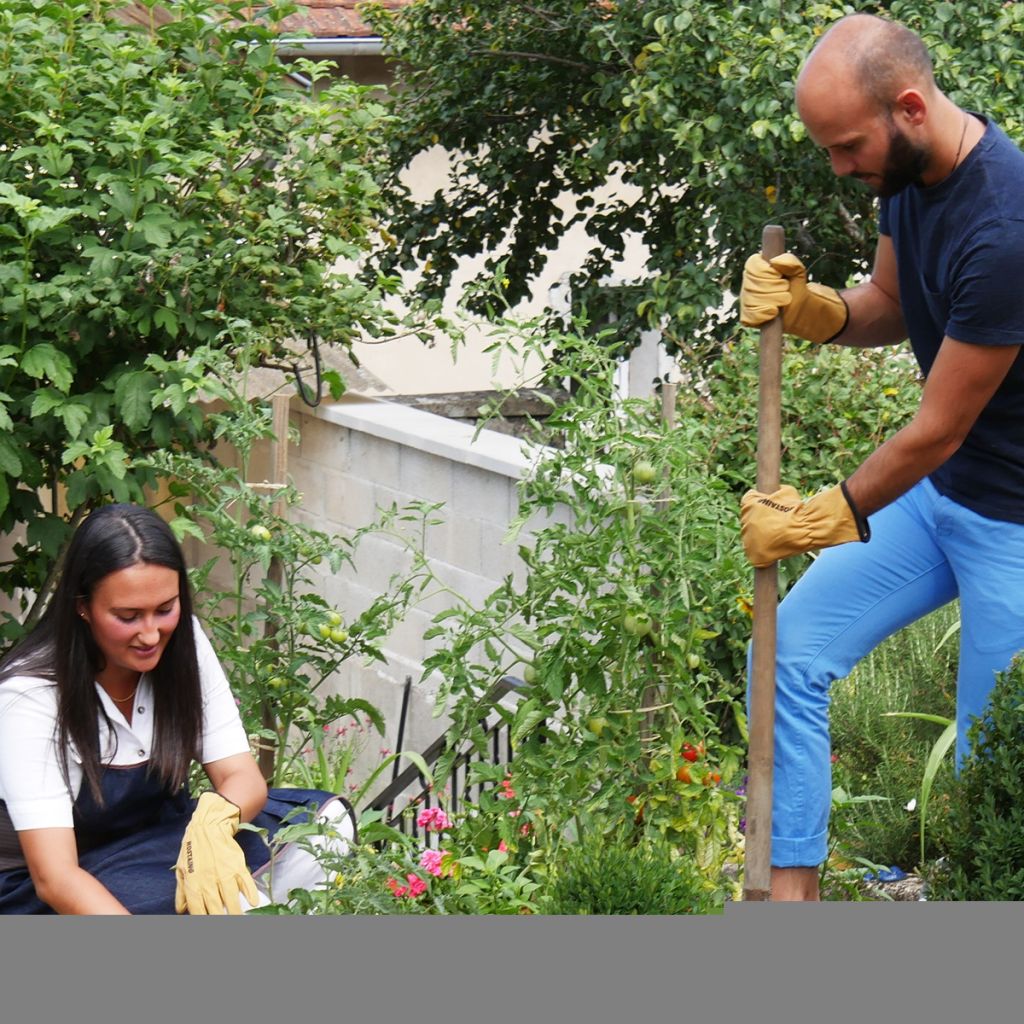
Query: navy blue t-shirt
column 960, row 258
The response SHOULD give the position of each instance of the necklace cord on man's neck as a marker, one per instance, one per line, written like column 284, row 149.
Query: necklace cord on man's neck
column 963, row 135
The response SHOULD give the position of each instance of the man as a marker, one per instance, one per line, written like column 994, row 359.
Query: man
column 944, row 496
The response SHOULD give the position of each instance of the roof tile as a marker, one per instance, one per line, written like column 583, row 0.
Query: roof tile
column 330, row 18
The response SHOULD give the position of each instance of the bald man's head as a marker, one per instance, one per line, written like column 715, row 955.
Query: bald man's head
column 878, row 58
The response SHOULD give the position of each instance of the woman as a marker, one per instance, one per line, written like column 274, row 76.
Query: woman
column 103, row 707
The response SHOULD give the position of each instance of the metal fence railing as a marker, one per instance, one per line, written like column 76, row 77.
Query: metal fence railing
column 409, row 788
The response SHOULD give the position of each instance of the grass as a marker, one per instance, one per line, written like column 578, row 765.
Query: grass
column 912, row 671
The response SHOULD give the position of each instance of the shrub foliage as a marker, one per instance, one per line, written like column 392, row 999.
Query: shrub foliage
column 162, row 187
column 983, row 833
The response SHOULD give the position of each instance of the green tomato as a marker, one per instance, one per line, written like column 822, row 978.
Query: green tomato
column 529, row 674
column 277, row 682
column 325, row 631
column 334, row 618
column 644, row 473
column 693, row 660
column 597, row 725
column 260, row 532
column 637, row 623
column 339, row 636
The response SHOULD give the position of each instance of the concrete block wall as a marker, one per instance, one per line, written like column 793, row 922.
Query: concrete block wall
column 357, row 456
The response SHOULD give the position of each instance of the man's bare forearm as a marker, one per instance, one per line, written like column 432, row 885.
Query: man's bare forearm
column 875, row 318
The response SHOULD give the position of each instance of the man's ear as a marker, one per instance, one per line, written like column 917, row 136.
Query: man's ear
column 911, row 107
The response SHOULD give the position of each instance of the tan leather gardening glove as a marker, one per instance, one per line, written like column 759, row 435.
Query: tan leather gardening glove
column 812, row 311
column 211, row 868
column 778, row 525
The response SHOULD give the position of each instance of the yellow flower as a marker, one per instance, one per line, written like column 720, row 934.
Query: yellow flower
column 745, row 606
column 771, row 193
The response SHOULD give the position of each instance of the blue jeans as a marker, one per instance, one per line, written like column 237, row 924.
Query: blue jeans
column 925, row 550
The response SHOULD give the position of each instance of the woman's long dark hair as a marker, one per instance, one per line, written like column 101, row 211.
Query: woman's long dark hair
column 61, row 646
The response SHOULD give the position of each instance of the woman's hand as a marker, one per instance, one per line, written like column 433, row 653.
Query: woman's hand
column 211, row 868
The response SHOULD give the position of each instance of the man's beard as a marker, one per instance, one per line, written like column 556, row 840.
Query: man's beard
column 904, row 163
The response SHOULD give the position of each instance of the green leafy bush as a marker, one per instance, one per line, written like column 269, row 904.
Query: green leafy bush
column 670, row 98
column 599, row 876
column 983, row 833
column 162, row 187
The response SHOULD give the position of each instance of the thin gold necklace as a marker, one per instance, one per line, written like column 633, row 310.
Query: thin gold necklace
column 122, row 700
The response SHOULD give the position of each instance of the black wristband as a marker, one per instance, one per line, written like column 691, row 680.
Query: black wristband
column 833, row 338
column 861, row 521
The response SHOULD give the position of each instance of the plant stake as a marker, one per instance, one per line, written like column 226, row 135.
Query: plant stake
column 758, row 842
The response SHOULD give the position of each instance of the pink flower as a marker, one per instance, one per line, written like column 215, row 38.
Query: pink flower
column 430, row 861
column 502, row 847
column 525, row 830
column 416, row 887
column 507, row 792
column 433, row 819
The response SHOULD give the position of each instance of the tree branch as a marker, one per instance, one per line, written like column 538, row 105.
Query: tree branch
column 853, row 229
column 547, row 16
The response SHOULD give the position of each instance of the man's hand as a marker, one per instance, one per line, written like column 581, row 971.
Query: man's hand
column 811, row 311
column 778, row 525
column 211, row 868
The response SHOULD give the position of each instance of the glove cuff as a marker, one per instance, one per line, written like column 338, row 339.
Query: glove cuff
column 861, row 522
column 211, row 805
column 821, row 317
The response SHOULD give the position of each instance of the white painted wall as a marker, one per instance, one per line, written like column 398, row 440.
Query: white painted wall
column 409, row 367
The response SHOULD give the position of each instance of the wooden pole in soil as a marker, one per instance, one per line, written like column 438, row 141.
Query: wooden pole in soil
column 652, row 696
column 278, row 477
column 757, row 857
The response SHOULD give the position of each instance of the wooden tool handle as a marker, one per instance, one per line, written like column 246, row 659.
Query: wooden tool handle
column 757, row 856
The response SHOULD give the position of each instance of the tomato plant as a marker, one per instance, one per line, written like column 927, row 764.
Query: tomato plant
column 644, row 473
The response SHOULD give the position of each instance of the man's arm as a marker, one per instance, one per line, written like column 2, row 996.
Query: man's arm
column 963, row 379
column 961, row 382
column 875, row 316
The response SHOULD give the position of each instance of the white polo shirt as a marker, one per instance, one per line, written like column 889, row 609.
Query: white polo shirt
column 31, row 783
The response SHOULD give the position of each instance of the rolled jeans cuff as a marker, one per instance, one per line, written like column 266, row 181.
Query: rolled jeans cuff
column 806, row 852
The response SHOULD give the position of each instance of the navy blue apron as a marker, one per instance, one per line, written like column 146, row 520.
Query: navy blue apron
column 131, row 843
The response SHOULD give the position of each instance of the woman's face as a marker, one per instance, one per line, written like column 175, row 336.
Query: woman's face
column 132, row 614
